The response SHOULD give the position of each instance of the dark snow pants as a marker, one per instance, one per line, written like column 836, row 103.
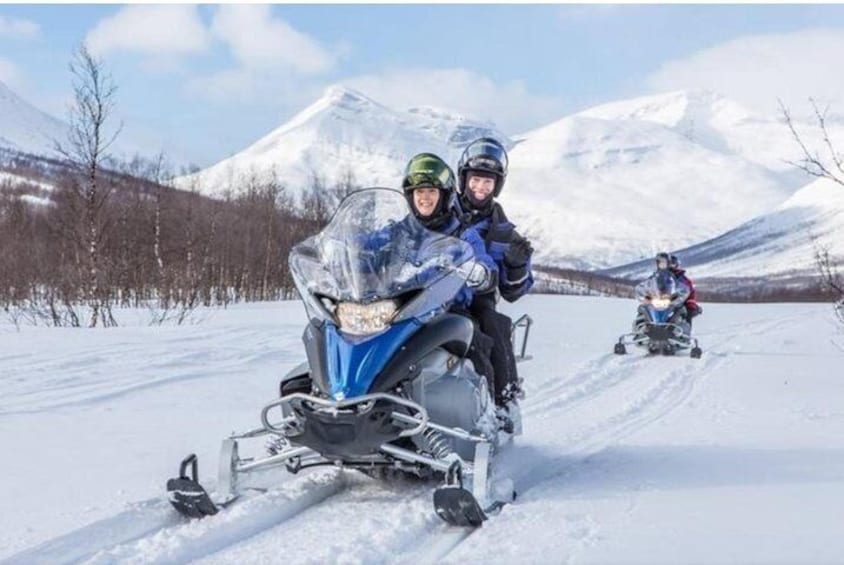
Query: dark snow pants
column 480, row 350
column 498, row 327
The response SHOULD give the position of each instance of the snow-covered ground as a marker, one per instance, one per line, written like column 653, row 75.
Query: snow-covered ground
column 737, row 457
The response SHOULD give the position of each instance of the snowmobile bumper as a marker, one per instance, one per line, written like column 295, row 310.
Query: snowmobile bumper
column 346, row 429
column 666, row 338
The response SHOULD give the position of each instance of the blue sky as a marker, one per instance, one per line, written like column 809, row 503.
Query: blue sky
column 203, row 82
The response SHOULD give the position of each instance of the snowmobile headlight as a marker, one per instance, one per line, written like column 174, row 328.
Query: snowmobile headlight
column 661, row 303
column 365, row 319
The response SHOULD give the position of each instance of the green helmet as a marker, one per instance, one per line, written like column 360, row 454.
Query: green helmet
column 427, row 170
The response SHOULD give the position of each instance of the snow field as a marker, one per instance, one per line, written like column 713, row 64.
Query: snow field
column 736, row 457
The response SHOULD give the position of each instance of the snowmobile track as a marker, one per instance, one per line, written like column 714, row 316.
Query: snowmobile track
column 154, row 533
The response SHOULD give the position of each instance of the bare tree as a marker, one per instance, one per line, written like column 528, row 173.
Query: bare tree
column 830, row 166
column 86, row 151
column 830, row 279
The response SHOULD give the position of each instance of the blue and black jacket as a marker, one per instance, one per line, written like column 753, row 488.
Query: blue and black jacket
column 497, row 233
column 454, row 228
column 471, row 236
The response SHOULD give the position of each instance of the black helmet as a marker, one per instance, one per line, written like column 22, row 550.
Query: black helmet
column 427, row 170
column 663, row 260
column 674, row 262
column 484, row 155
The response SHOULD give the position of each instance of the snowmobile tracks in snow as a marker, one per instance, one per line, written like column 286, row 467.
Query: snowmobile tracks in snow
column 152, row 531
column 396, row 520
column 651, row 394
column 76, row 378
column 606, row 400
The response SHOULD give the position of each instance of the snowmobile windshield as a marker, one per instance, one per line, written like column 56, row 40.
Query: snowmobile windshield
column 374, row 249
column 661, row 285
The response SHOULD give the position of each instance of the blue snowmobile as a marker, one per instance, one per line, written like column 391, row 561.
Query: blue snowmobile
column 387, row 383
column 661, row 326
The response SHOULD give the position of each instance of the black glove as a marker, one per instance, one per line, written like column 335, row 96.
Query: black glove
column 519, row 252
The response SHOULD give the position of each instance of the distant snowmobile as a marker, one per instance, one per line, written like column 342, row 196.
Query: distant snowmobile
column 660, row 325
column 387, row 383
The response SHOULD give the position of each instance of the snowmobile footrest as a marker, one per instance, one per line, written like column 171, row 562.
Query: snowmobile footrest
column 458, row 507
column 186, row 494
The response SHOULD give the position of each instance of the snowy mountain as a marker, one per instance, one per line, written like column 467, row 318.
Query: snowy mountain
column 780, row 244
column 26, row 129
column 720, row 124
column 599, row 188
column 598, row 192
column 345, row 131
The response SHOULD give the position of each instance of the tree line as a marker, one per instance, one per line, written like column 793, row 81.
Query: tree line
column 114, row 234
column 141, row 243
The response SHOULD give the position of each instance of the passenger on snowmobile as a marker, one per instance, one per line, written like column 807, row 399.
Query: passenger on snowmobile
column 692, row 307
column 661, row 325
column 429, row 188
column 481, row 173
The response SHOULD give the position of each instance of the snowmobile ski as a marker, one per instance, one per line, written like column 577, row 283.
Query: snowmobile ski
column 186, row 494
column 458, row 507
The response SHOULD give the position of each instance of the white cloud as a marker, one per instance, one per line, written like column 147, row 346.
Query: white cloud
column 510, row 106
column 274, row 60
column 18, row 28
column 258, row 40
column 756, row 70
column 152, row 30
